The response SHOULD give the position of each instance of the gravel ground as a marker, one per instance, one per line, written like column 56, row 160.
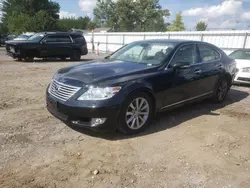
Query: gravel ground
column 199, row 145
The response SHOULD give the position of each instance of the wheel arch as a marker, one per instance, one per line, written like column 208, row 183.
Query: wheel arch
column 146, row 89
column 229, row 79
column 75, row 50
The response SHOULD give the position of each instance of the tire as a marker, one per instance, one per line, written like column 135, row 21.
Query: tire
column 29, row 59
column 130, row 121
column 76, row 56
column 19, row 59
column 221, row 90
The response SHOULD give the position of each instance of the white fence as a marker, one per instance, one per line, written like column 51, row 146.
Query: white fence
column 226, row 40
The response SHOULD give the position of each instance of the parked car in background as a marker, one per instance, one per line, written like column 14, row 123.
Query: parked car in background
column 2, row 40
column 10, row 37
column 24, row 36
column 49, row 44
column 126, row 89
column 242, row 58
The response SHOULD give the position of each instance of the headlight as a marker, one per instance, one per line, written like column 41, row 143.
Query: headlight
column 96, row 93
column 247, row 69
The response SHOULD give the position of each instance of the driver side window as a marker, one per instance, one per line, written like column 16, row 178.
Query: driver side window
column 186, row 55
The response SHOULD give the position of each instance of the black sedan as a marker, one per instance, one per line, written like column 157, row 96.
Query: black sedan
column 125, row 90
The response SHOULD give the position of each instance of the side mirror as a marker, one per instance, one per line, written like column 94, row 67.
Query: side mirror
column 44, row 42
column 107, row 57
column 181, row 65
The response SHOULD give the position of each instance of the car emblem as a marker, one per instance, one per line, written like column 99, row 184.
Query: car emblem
column 57, row 88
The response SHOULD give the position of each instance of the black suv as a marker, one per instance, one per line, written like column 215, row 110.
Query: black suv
column 49, row 44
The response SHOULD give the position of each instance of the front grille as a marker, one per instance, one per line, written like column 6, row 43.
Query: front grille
column 243, row 79
column 62, row 91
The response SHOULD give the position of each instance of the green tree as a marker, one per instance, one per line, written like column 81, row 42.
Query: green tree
column 42, row 21
column 131, row 15
column 92, row 25
column 3, row 29
column 178, row 24
column 75, row 23
column 104, row 14
column 18, row 15
column 151, row 15
column 18, row 22
column 201, row 26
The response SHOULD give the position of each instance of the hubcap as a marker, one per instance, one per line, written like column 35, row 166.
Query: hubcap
column 137, row 113
column 222, row 90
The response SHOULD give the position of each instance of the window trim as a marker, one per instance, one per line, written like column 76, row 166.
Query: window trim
column 191, row 43
column 209, row 47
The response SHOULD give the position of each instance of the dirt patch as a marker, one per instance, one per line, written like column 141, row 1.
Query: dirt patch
column 200, row 145
column 237, row 114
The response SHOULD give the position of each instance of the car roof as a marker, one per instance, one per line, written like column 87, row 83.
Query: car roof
column 178, row 42
column 61, row 33
column 169, row 40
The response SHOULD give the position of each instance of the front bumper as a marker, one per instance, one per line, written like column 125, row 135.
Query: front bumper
column 242, row 77
column 13, row 55
column 82, row 116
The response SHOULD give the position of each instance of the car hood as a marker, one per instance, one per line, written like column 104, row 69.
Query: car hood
column 241, row 63
column 100, row 71
column 19, row 39
column 15, row 42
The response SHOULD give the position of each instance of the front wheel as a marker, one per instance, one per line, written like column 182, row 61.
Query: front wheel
column 222, row 90
column 29, row 59
column 136, row 113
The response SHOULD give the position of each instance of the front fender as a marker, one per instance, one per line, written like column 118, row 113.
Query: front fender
column 137, row 86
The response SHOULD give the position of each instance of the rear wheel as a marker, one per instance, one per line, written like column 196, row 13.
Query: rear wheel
column 76, row 55
column 222, row 90
column 136, row 113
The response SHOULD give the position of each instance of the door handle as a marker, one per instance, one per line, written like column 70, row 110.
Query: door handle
column 198, row 71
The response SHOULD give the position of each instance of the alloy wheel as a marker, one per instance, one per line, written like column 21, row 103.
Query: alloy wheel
column 137, row 113
column 222, row 90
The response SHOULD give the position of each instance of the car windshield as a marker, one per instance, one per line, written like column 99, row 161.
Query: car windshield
column 37, row 37
column 240, row 54
column 149, row 53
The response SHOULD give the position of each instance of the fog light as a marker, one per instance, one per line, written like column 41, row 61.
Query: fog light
column 97, row 121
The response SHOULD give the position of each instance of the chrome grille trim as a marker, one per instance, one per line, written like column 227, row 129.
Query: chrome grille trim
column 62, row 91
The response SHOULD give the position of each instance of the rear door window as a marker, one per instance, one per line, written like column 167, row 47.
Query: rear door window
column 58, row 39
column 65, row 39
column 208, row 54
column 51, row 39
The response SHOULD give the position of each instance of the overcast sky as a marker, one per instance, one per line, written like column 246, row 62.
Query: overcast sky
column 219, row 14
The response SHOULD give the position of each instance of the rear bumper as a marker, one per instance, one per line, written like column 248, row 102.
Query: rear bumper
column 82, row 116
column 84, row 50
